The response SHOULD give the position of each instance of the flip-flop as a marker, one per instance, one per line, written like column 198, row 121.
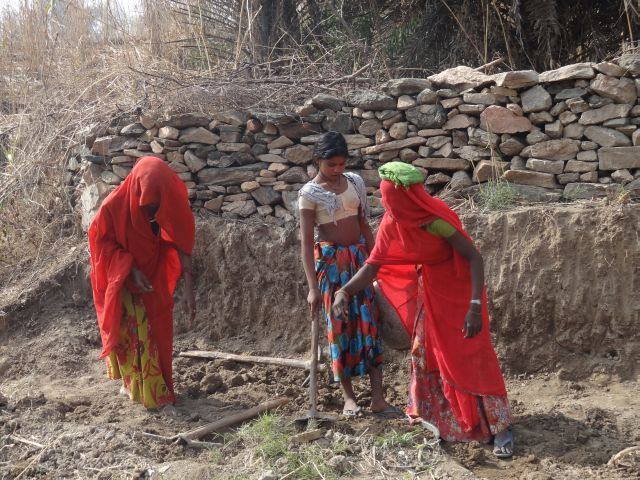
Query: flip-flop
column 358, row 412
column 390, row 413
column 500, row 444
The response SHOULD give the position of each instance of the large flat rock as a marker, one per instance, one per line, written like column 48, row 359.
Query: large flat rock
column 615, row 158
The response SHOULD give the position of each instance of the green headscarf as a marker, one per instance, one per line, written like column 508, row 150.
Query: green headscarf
column 400, row 173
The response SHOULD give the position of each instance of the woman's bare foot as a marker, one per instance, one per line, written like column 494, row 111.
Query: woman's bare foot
column 389, row 412
column 351, row 408
column 379, row 405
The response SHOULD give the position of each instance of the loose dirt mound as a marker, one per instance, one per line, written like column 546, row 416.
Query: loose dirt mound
column 563, row 286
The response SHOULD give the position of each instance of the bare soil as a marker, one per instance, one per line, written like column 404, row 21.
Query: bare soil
column 565, row 313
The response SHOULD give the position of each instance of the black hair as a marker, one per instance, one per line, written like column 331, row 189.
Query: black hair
column 330, row 144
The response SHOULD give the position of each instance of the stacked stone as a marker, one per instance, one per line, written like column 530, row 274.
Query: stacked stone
column 571, row 131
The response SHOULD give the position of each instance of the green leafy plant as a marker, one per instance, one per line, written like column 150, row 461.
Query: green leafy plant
column 497, row 195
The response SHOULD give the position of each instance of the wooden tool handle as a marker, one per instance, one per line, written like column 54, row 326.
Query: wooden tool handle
column 313, row 377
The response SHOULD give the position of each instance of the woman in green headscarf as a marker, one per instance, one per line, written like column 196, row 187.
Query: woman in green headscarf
column 432, row 274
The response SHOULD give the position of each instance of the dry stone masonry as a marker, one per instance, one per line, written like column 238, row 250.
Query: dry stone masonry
column 569, row 132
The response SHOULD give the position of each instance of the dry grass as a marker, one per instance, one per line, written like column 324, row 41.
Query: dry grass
column 67, row 72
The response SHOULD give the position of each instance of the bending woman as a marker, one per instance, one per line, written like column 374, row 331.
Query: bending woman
column 456, row 381
column 140, row 243
column 336, row 202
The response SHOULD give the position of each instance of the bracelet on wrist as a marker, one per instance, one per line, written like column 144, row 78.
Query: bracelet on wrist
column 343, row 291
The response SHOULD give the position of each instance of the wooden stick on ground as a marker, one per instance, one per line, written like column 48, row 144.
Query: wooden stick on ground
column 616, row 458
column 284, row 362
column 25, row 441
column 190, row 437
column 233, row 419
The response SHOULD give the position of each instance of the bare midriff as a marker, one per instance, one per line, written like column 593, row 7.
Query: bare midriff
column 345, row 232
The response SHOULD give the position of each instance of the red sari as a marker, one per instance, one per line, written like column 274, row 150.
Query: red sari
column 456, row 382
column 120, row 237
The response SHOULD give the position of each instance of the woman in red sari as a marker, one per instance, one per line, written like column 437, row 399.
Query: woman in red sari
column 433, row 275
column 140, row 243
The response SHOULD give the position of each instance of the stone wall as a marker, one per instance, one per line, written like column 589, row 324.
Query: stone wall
column 571, row 132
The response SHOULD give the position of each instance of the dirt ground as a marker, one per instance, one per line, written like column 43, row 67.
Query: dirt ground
column 56, row 394
column 572, row 381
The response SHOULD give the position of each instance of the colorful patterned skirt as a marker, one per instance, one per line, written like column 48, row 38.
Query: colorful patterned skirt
column 427, row 399
column 136, row 359
column 353, row 341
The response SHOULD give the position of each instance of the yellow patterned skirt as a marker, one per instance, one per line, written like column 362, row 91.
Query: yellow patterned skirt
column 135, row 359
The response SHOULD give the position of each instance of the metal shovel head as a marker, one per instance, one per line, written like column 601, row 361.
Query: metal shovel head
column 314, row 417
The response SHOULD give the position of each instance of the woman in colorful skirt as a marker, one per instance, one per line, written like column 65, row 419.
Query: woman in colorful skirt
column 432, row 274
column 141, row 242
column 336, row 202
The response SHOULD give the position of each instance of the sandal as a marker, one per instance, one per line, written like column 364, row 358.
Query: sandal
column 358, row 412
column 499, row 444
column 390, row 413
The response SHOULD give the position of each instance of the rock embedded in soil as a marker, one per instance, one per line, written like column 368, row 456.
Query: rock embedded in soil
column 587, row 191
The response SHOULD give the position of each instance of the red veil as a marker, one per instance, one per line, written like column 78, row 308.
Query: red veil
column 120, row 237
column 468, row 367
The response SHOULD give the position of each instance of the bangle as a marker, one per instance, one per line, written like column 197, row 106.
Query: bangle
column 476, row 302
column 342, row 290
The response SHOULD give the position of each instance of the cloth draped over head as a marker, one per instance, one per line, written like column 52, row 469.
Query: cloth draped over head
column 401, row 245
column 120, row 238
